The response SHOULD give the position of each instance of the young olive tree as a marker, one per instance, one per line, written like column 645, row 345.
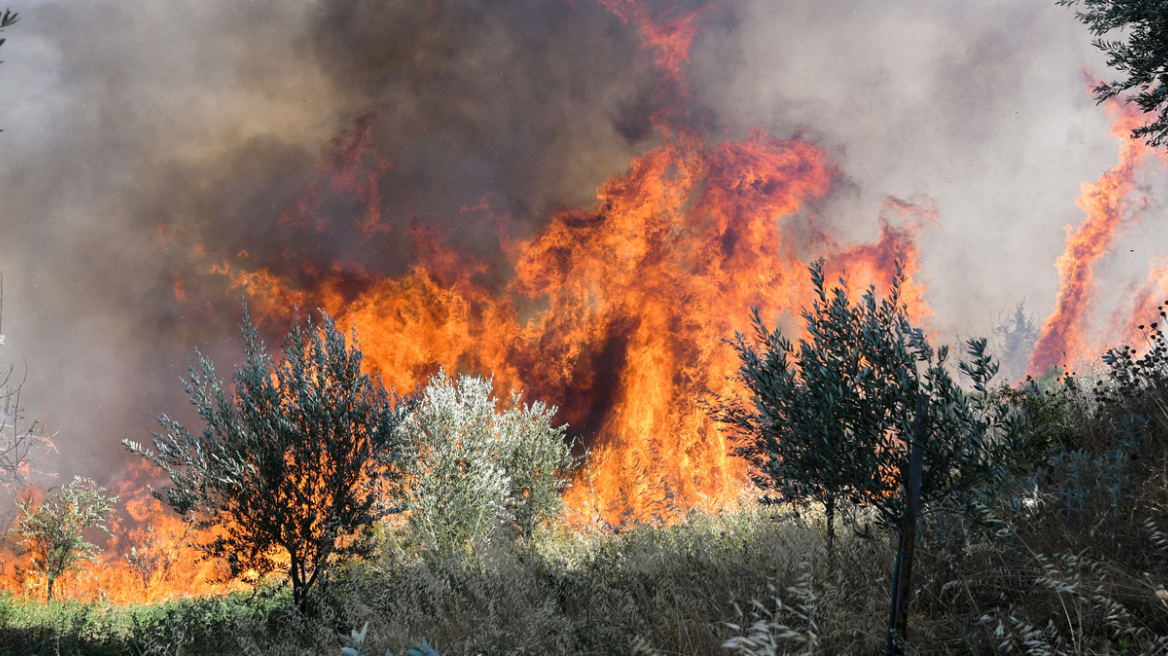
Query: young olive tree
column 474, row 469
column 53, row 533
column 298, row 459
column 863, row 410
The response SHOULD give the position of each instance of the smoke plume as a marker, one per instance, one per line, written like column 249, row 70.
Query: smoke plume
column 152, row 156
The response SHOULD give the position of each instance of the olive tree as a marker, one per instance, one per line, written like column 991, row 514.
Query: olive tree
column 298, row 460
column 18, row 438
column 474, row 468
column 863, row 409
column 7, row 19
column 53, row 533
column 1142, row 56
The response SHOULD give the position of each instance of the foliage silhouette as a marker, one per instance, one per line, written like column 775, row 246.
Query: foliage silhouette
column 1143, row 57
column 299, row 459
column 842, row 415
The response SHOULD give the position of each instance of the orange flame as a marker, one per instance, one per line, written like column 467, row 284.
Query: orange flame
column 350, row 175
column 1063, row 338
column 1146, row 305
column 638, row 295
column 669, row 35
column 147, row 557
column 616, row 314
column 901, row 222
column 670, row 38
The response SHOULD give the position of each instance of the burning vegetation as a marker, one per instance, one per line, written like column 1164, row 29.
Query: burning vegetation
column 606, row 321
column 1110, row 204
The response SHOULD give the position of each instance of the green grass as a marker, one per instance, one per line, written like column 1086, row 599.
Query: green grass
column 197, row 625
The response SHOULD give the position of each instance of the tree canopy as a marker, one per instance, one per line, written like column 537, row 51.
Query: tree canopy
column 7, row 19
column 832, row 418
column 297, row 460
column 863, row 410
column 474, row 469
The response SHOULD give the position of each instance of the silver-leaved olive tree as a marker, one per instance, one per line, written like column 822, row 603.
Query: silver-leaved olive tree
column 475, row 468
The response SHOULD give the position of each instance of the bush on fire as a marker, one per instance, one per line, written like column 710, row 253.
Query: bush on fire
column 53, row 533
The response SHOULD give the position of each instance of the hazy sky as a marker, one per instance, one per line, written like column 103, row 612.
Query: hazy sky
column 207, row 118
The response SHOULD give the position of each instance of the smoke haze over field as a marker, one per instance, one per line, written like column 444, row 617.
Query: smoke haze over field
column 131, row 135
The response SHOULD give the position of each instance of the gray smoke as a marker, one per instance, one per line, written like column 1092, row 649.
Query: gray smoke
column 132, row 133
column 980, row 107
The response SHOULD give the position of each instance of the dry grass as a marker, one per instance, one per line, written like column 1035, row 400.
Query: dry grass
column 740, row 583
column 1071, row 558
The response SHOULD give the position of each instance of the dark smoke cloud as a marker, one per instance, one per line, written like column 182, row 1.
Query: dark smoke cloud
column 522, row 107
column 531, row 102
column 132, row 133
column 136, row 134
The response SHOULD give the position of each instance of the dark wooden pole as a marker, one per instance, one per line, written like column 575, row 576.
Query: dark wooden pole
column 902, row 574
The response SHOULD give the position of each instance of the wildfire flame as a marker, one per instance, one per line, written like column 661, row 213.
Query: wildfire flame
column 1146, row 304
column 148, row 555
column 616, row 313
column 1063, row 339
column 626, row 306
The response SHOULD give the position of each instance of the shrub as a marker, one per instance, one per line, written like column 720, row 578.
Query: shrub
column 53, row 533
column 474, row 469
